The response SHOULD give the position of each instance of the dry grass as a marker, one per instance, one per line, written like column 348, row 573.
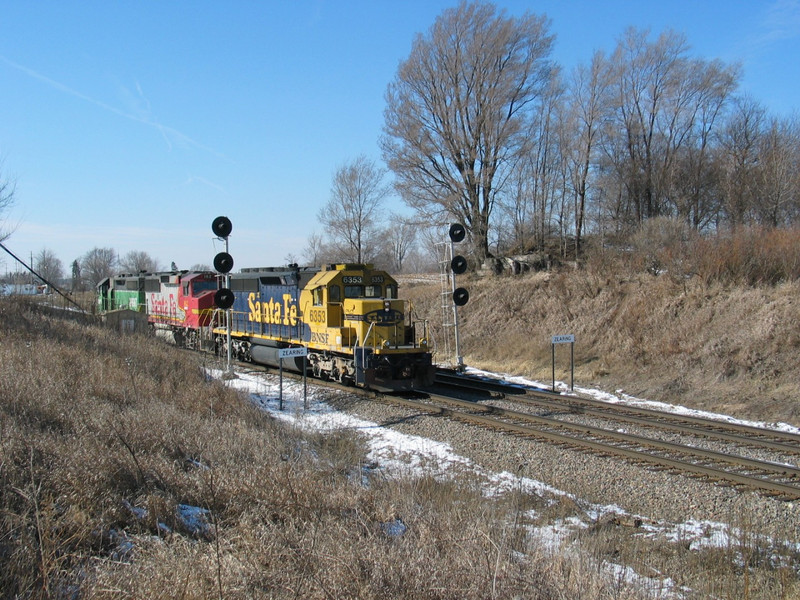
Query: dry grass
column 103, row 438
column 724, row 338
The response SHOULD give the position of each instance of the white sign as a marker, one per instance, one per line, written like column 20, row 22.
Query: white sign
column 564, row 339
column 292, row 352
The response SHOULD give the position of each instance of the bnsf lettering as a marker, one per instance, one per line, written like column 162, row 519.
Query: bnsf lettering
column 319, row 338
column 273, row 312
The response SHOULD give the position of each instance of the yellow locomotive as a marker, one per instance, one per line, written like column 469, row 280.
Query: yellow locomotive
column 348, row 316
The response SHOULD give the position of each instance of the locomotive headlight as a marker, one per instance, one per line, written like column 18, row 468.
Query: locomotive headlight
column 386, row 343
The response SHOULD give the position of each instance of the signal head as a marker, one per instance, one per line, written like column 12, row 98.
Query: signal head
column 222, row 227
column 460, row 296
column 223, row 298
column 457, row 232
column 223, row 262
column 458, row 265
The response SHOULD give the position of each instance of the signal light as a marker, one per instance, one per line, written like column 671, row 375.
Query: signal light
column 457, row 232
column 223, row 262
column 460, row 296
column 222, row 227
column 458, row 265
column 223, row 298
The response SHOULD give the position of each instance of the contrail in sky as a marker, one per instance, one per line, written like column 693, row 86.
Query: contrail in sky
column 163, row 129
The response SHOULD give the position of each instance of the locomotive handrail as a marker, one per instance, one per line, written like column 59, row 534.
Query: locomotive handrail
column 366, row 337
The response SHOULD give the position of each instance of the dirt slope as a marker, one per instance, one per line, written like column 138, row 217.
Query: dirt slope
column 713, row 347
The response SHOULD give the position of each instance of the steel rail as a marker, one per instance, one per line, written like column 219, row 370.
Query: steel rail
column 711, row 424
column 775, row 487
column 664, row 421
column 683, row 424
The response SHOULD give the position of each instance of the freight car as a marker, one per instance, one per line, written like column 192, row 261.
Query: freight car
column 347, row 316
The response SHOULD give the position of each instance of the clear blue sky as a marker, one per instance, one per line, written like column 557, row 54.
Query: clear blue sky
column 132, row 125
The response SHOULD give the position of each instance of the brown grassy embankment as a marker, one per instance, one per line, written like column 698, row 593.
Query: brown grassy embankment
column 716, row 327
column 102, row 439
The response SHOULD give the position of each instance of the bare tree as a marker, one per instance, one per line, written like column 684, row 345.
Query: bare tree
column 77, row 281
column 313, row 252
column 7, row 189
column 457, row 112
column 544, row 160
column 97, row 264
column 739, row 158
column 662, row 97
column 352, row 212
column 588, row 106
column 48, row 266
column 777, row 173
column 137, row 261
column 400, row 237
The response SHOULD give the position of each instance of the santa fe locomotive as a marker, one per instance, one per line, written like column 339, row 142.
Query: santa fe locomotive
column 348, row 317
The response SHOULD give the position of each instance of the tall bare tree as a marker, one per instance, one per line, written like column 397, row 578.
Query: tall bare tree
column 137, row 261
column 777, row 172
column 457, row 112
column 48, row 266
column 738, row 159
column 7, row 189
column 313, row 253
column 400, row 237
column 351, row 215
column 661, row 97
column 97, row 264
column 588, row 103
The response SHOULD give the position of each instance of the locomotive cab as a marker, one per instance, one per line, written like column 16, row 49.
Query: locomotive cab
column 353, row 309
column 121, row 292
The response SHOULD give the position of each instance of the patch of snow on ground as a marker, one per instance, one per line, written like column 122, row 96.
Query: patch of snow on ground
column 620, row 397
column 398, row 454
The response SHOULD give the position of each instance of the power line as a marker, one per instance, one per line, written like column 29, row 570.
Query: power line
column 52, row 286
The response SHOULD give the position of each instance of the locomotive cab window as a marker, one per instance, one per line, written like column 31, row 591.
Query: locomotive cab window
column 391, row 291
column 334, row 294
column 354, row 291
column 317, row 295
column 372, row 291
column 203, row 286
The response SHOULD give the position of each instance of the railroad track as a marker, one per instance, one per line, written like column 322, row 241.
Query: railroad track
column 776, row 479
column 682, row 424
column 779, row 477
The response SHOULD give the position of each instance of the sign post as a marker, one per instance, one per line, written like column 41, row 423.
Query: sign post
column 564, row 339
column 291, row 353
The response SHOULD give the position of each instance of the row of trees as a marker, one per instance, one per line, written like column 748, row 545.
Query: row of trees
column 84, row 272
column 482, row 127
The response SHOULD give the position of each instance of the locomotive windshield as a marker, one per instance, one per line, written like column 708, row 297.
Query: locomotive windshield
column 362, row 291
column 203, row 286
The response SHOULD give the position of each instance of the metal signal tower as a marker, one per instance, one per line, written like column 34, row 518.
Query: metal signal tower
column 452, row 297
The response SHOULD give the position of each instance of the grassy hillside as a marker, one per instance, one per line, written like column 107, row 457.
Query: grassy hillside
column 707, row 344
column 126, row 473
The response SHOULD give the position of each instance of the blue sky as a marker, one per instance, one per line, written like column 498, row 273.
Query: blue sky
column 132, row 125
